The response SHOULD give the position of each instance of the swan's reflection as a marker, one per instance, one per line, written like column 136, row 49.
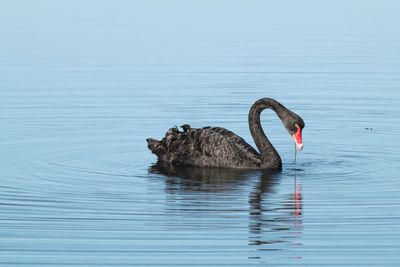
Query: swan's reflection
column 274, row 222
column 274, row 218
column 186, row 178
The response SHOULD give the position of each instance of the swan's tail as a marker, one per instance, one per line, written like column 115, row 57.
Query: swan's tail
column 156, row 147
column 169, row 145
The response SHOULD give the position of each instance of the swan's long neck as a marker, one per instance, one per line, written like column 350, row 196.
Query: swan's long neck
column 269, row 155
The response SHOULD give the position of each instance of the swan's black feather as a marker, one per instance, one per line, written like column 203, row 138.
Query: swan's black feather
column 241, row 144
column 208, row 146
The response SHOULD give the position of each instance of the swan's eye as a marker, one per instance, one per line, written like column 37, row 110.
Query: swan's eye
column 299, row 126
column 295, row 129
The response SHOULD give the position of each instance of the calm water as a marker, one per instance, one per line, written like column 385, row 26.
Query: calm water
column 82, row 85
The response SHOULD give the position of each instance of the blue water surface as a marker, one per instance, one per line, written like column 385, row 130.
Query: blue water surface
column 84, row 83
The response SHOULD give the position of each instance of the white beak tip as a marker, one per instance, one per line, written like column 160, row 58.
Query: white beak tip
column 299, row 146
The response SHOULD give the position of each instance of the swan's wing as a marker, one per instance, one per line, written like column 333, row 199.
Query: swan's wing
column 207, row 146
column 240, row 143
column 222, row 147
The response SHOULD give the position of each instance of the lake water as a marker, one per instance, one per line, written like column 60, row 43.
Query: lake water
column 82, row 85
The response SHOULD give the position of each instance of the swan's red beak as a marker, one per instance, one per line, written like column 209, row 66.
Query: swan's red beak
column 298, row 139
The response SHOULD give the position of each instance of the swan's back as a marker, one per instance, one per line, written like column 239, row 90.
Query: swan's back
column 208, row 146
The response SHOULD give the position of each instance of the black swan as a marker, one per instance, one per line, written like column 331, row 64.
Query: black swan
column 218, row 147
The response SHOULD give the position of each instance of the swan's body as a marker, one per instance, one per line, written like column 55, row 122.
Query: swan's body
column 219, row 147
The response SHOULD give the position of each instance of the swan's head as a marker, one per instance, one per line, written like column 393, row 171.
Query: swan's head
column 294, row 124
